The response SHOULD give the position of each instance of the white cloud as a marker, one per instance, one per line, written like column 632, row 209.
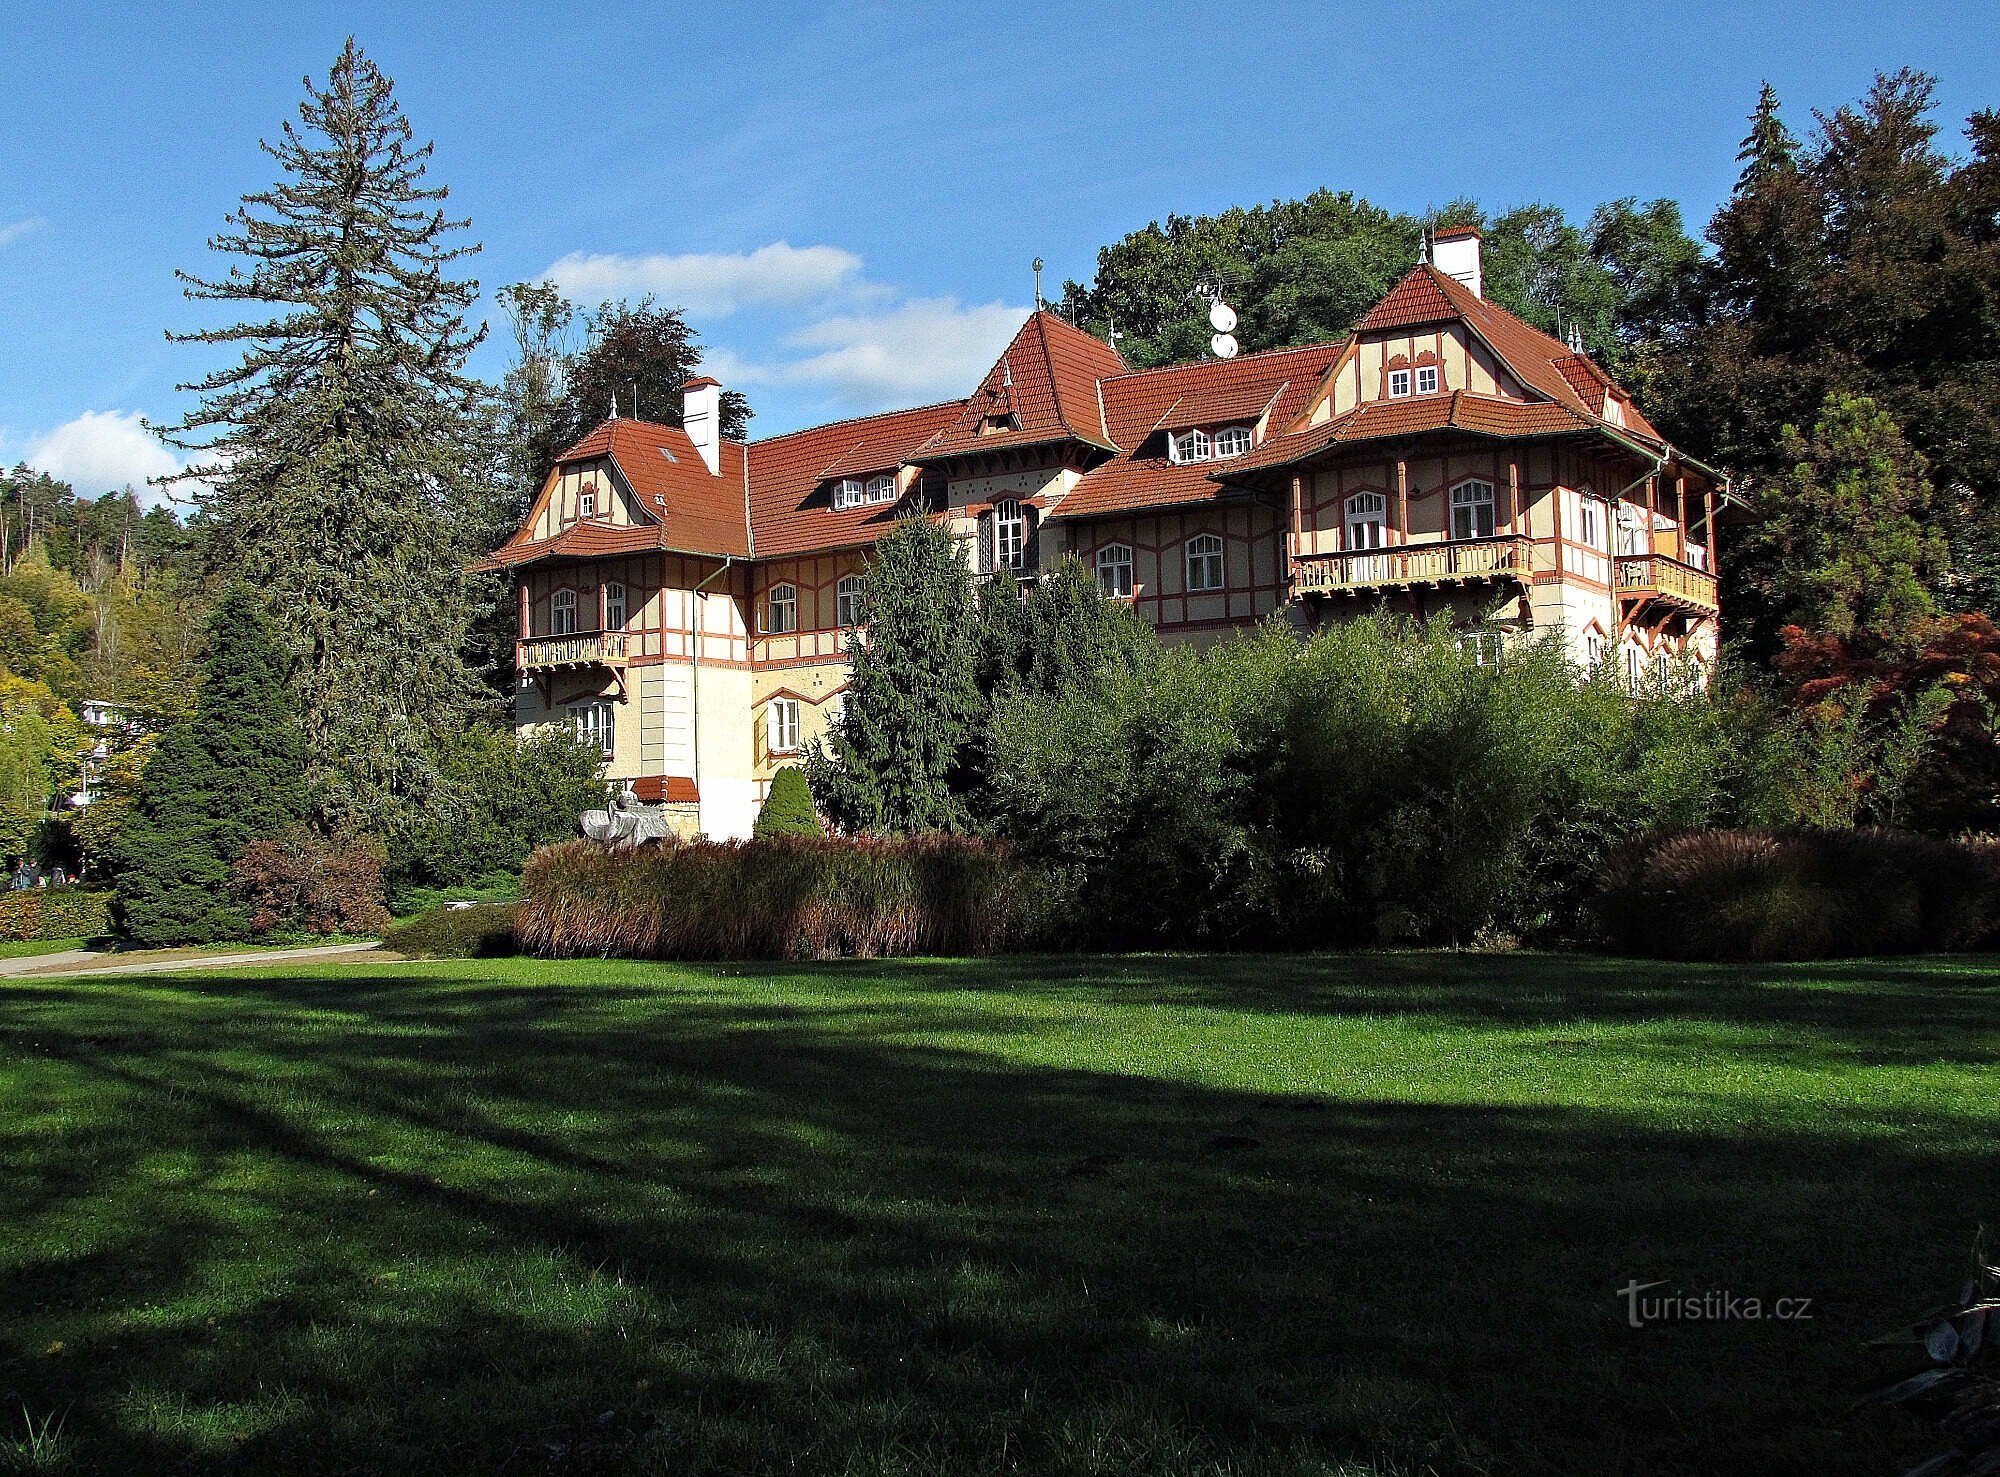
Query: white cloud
column 13, row 231
column 921, row 349
column 102, row 451
column 714, row 284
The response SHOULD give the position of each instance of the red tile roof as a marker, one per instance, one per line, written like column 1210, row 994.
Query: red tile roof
column 1047, row 381
column 790, row 506
column 674, row 789
column 1483, row 415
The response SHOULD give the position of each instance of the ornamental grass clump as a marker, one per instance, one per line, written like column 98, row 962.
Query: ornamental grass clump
column 775, row 898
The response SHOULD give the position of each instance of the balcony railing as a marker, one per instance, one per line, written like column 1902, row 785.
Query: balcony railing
column 1656, row 574
column 582, row 648
column 1453, row 561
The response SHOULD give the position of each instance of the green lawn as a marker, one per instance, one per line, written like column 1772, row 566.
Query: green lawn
column 1355, row 1215
column 29, row 948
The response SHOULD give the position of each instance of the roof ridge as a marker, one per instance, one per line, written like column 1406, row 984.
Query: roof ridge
column 1240, row 359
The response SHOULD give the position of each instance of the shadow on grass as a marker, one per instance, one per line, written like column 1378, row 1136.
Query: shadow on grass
column 383, row 1224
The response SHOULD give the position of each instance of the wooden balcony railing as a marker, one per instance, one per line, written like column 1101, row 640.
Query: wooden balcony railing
column 1453, row 561
column 605, row 648
column 1656, row 574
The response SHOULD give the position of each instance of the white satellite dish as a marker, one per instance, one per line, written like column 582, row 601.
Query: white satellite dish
column 1222, row 346
column 1222, row 317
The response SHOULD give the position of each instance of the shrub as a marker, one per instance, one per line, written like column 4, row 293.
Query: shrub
column 481, row 931
column 54, row 913
column 788, row 809
column 1747, row 895
column 779, row 898
column 300, row 882
column 498, row 798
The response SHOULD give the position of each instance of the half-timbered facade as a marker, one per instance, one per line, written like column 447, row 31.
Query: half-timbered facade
column 685, row 600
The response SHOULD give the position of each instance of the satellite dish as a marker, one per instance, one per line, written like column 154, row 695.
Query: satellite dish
column 1222, row 317
column 1222, row 346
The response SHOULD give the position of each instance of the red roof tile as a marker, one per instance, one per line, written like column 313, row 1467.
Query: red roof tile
column 1047, row 381
column 790, row 507
column 1483, row 415
column 673, row 789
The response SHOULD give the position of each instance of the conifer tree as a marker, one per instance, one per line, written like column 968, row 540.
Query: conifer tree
column 341, row 453
column 788, row 809
column 903, row 752
column 231, row 774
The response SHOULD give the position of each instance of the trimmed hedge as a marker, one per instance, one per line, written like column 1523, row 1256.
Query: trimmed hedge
column 54, row 913
column 1761, row 895
column 779, row 898
column 483, row 931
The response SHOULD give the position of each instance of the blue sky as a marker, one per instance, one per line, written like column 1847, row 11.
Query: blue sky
column 847, row 199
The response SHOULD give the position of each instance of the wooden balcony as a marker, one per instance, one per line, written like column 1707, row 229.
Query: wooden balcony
column 580, row 649
column 1644, row 577
column 1454, row 561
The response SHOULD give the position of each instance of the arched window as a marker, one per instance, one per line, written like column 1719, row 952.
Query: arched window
column 1472, row 510
column 1204, row 562
column 614, row 606
column 1232, row 441
column 847, row 600
column 1192, row 446
column 562, row 613
column 848, row 492
column 1114, row 570
column 1367, row 512
column 882, row 489
column 1010, row 534
column 781, row 610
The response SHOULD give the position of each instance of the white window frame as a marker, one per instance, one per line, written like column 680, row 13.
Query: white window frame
column 1635, row 669
column 586, row 503
column 614, row 605
column 1590, row 520
column 562, row 612
column 1191, row 445
column 1634, row 537
column 1206, row 567
column 1484, row 647
column 781, row 725
column 1593, row 649
column 847, row 600
column 1427, row 379
column 1010, row 534
column 848, row 492
column 1365, row 510
column 1233, row 441
column 595, row 721
column 1472, row 498
column 881, row 489
column 781, row 597
column 1399, row 383
column 1114, row 571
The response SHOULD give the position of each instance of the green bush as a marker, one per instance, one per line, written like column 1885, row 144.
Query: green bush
column 1749, row 895
column 780, row 898
column 788, row 809
column 54, row 913
column 481, row 931
column 497, row 799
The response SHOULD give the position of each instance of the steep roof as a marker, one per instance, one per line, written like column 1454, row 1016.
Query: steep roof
column 1047, row 382
column 1374, row 420
column 790, row 507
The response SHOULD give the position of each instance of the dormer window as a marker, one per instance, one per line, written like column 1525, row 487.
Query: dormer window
column 1191, row 446
column 993, row 425
column 1399, row 383
column 1232, row 441
column 848, row 493
column 586, row 503
column 882, row 489
column 1427, row 379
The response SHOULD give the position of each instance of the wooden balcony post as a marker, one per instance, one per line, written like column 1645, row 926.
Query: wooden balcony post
column 1681, row 511
column 1652, row 512
column 1298, row 517
column 1708, row 529
column 1403, row 501
column 1514, row 495
column 526, row 632
column 603, row 605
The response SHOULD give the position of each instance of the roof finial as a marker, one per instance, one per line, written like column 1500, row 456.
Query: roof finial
column 1038, row 284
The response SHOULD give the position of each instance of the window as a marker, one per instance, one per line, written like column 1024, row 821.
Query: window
column 562, row 613
column 1593, row 650
column 1483, row 647
column 586, row 503
column 1192, row 446
column 1472, row 510
column 1590, row 521
column 1632, row 537
column 1635, row 670
column 1399, row 382
column 614, row 606
column 1204, row 562
column 1366, row 514
column 848, row 492
column 1232, row 441
column 1114, row 570
column 882, row 489
column 1010, row 534
column 1427, row 379
column 1663, row 670
column 593, row 723
column 781, row 610
column 847, row 600
column 783, row 725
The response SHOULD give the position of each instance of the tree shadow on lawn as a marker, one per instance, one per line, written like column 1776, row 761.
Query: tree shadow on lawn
column 318, row 1225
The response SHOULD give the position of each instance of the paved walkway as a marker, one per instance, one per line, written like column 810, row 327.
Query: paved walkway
column 64, row 965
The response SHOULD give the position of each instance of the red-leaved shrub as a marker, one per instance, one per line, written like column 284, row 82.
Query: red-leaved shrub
column 300, row 882
column 776, row 898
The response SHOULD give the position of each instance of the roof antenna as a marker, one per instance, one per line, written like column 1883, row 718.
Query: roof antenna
column 1038, row 284
column 614, row 405
column 635, row 401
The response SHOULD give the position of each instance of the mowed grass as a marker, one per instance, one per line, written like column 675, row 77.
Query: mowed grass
column 1343, row 1215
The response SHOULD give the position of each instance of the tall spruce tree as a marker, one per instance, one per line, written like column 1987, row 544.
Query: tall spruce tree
column 904, row 751
column 230, row 774
column 342, row 454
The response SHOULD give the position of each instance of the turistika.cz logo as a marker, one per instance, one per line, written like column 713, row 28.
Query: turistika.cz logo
column 1718, row 1305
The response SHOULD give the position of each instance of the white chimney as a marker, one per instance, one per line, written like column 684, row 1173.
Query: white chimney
column 1455, row 252
column 701, row 418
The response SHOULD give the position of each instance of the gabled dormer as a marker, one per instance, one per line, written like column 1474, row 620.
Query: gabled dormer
column 1043, row 390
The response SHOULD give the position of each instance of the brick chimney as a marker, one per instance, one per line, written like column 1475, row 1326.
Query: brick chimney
column 701, row 418
column 1455, row 252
